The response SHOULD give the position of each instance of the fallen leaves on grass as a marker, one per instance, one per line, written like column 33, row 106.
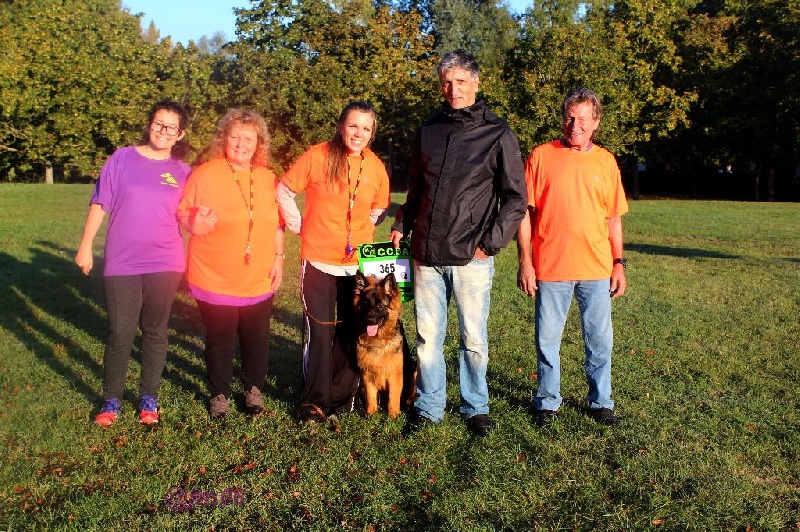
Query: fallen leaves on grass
column 55, row 464
column 241, row 468
column 58, row 471
column 304, row 514
column 293, row 473
column 27, row 499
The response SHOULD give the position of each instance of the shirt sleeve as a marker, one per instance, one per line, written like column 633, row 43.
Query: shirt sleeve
column 288, row 208
column 105, row 188
column 190, row 193
column 617, row 203
column 298, row 175
column 512, row 195
column 407, row 213
column 530, row 177
column 383, row 197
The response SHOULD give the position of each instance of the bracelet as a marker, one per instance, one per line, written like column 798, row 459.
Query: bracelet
column 624, row 263
column 281, row 255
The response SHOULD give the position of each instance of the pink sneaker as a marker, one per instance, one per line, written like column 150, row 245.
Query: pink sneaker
column 108, row 414
column 148, row 410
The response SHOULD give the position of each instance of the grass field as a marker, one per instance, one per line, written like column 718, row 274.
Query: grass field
column 706, row 380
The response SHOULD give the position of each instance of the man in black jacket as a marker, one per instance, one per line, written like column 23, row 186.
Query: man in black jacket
column 466, row 197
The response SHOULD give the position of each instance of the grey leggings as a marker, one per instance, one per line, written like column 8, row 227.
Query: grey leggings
column 132, row 300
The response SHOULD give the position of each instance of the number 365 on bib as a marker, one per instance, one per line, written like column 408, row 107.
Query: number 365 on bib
column 381, row 258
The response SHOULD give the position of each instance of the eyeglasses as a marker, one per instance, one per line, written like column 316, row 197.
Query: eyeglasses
column 158, row 127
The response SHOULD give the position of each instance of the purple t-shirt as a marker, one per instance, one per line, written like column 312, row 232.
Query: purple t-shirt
column 141, row 196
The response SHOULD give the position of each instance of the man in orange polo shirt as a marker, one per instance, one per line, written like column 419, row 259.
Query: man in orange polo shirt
column 570, row 243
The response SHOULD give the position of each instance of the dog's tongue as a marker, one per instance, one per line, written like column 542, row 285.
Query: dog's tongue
column 372, row 330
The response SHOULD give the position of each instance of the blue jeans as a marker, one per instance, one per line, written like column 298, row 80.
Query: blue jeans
column 434, row 286
column 552, row 303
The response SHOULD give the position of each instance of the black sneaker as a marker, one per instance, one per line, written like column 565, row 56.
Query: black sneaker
column 545, row 417
column 479, row 424
column 604, row 416
column 308, row 413
column 415, row 423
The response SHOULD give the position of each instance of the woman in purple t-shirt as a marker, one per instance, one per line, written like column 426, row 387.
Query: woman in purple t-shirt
column 139, row 186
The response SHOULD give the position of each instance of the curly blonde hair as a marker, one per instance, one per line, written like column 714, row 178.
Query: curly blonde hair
column 242, row 117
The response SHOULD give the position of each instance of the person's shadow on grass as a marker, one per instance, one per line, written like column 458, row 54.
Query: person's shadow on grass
column 54, row 315
column 58, row 314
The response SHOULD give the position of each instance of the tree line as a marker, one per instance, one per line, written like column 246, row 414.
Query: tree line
column 701, row 97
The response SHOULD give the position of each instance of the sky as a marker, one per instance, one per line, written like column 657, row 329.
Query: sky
column 186, row 20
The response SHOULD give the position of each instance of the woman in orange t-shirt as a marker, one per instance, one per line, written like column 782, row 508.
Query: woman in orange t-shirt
column 235, row 254
column 347, row 193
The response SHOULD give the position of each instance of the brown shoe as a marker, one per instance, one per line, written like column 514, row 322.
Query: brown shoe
column 219, row 406
column 253, row 402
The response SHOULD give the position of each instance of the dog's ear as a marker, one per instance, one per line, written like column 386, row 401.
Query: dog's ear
column 361, row 281
column 389, row 284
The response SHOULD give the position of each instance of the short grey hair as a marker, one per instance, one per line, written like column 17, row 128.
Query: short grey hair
column 459, row 59
column 581, row 95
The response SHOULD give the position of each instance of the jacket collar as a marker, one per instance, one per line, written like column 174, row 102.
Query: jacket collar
column 475, row 111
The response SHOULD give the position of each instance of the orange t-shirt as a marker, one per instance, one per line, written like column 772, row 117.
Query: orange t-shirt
column 324, row 231
column 573, row 194
column 216, row 259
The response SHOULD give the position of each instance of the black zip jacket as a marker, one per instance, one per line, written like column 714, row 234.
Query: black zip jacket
column 466, row 187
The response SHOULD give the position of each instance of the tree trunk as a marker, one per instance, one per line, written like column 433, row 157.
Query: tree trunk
column 771, row 184
column 48, row 173
column 758, row 182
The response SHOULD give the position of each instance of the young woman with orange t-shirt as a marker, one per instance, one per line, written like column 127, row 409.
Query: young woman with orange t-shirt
column 347, row 193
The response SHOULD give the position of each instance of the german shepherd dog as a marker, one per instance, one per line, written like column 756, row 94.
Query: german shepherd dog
column 382, row 352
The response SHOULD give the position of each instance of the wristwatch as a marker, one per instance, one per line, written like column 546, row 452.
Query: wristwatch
column 624, row 263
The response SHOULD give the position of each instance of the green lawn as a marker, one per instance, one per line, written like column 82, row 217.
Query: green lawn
column 706, row 379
